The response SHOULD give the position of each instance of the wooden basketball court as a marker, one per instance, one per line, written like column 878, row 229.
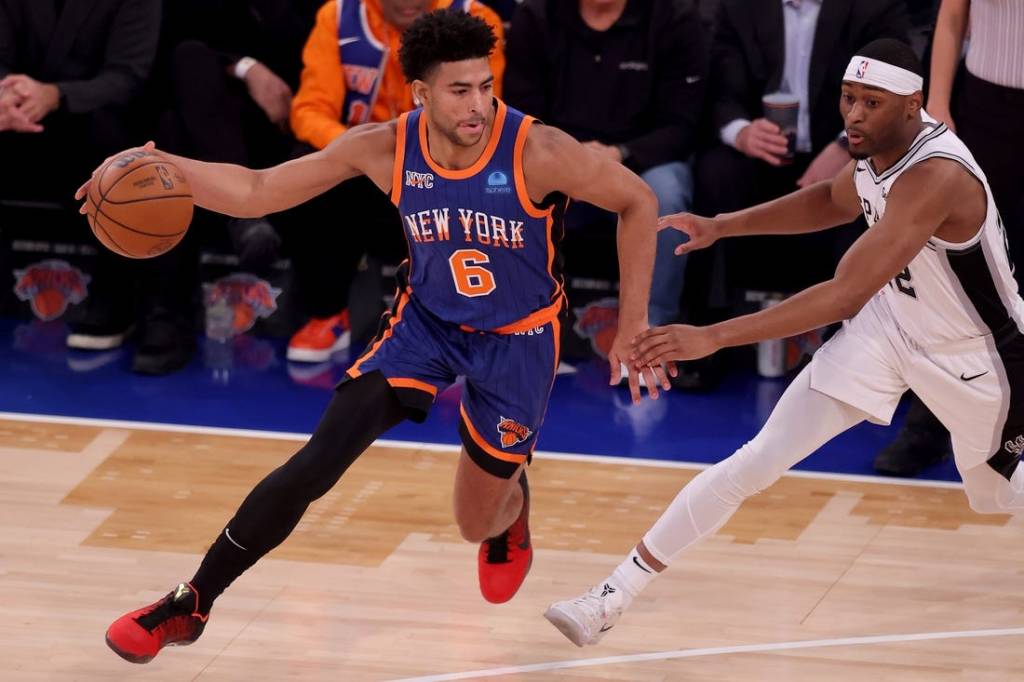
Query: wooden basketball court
column 817, row 579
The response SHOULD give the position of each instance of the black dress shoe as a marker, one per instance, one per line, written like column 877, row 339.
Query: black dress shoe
column 166, row 344
column 922, row 442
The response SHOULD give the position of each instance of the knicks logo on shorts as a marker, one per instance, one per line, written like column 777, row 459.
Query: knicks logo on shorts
column 512, row 432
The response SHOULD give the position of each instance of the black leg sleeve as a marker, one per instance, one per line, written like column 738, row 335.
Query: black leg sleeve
column 360, row 411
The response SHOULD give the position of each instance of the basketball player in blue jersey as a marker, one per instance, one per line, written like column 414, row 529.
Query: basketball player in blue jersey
column 481, row 189
column 929, row 302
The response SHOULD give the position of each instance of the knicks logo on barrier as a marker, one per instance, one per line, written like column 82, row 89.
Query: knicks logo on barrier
column 599, row 322
column 49, row 286
column 419, row 180
column 512, row 432
column 235, row 302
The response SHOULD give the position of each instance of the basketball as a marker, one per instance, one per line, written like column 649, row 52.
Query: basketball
column 139, row 205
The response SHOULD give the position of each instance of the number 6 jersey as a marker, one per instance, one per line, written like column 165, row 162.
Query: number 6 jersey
column 949, row 292
column 482, row 255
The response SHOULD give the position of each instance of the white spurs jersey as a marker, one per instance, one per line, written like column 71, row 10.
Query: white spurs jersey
column 949, row 292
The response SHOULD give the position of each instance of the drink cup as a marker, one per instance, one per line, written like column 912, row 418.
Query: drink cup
column 783, row 109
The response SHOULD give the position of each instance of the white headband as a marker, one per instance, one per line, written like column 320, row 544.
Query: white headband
column 880, row 74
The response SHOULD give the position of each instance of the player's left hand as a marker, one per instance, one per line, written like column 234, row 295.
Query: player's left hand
column 662, row 345
column 654, row 376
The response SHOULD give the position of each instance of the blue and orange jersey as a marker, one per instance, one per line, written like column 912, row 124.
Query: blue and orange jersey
column 482, row 254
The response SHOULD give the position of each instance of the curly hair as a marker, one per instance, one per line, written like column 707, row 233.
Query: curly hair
column 444, row 35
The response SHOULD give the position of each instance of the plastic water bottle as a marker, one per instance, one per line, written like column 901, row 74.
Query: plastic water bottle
column 771, row 353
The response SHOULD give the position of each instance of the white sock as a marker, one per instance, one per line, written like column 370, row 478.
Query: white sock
column 632, row 575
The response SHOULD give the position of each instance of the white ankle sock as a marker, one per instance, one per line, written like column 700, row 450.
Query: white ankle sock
column 633, row 574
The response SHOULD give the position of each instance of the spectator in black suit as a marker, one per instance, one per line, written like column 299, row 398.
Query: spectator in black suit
column 763, row 46
column 72, row 73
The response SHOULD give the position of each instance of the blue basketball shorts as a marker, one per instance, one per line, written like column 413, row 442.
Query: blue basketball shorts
column 508, row 378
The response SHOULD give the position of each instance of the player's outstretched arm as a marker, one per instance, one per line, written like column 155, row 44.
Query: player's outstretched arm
column 919, row 203
column 555, row 162
column 819, row 207
column 246, row 193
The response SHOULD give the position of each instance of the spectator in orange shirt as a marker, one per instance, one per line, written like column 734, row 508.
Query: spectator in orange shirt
column 351, row 75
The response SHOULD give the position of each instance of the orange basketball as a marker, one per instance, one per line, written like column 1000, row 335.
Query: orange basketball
column 139, row 205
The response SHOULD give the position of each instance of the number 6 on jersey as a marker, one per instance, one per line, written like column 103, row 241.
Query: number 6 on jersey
column 471, row 279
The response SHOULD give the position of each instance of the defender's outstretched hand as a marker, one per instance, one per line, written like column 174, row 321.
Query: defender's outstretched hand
column 149, row 147
column 703, row 232
column 662, row 345
column 618, row 358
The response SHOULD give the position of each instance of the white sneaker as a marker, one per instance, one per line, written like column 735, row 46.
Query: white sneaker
column 584, row 620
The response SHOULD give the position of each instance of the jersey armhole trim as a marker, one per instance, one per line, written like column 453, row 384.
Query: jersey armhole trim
column 955, row 247
column 520, row 177
column 399, row 165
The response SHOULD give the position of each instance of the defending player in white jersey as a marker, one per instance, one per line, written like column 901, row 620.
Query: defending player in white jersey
column 929, row 301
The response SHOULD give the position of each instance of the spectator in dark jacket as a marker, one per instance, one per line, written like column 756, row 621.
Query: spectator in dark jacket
column 627, row 78
column 799, row 46
column 72, row 73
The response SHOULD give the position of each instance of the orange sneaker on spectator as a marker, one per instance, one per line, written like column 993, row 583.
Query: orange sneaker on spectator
column 321, row 337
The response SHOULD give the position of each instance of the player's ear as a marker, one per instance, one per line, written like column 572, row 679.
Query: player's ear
column 914, row 104
column 420, row 92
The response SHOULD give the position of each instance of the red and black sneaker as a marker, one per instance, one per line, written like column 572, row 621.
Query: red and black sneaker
column 504, row 561
column 173, row 621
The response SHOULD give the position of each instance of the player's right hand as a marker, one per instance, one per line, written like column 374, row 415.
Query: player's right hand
column 702, row 232
column 618, row 356
column 82, row 191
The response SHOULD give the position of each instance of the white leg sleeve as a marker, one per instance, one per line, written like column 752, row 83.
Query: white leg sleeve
column 990, row 493
column 802, row 421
